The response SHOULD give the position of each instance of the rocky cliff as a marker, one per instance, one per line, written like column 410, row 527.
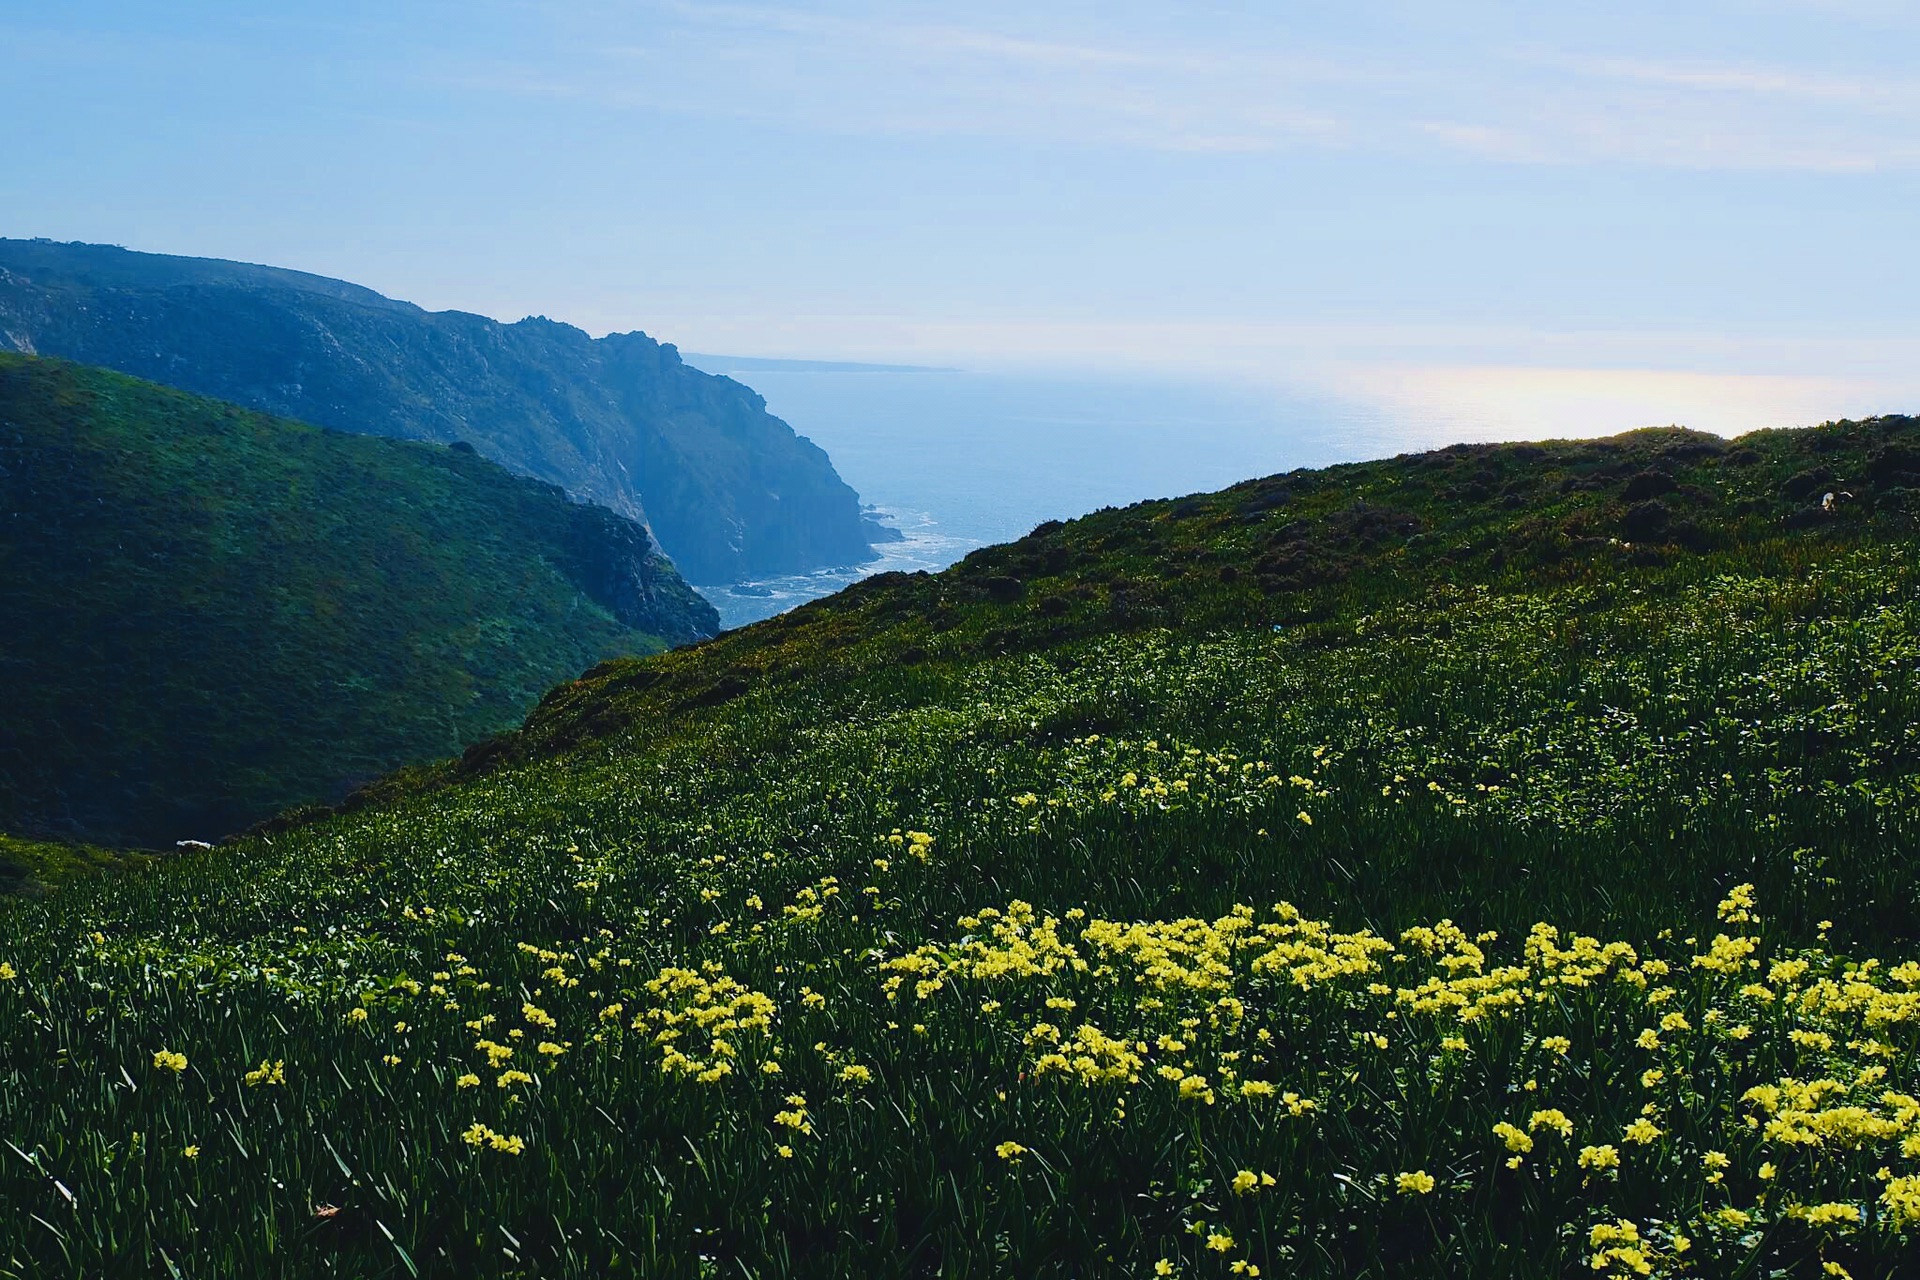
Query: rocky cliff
column 729, row 490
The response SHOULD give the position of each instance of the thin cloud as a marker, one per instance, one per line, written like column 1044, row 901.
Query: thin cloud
column 1017, row 80
column 1757, row 81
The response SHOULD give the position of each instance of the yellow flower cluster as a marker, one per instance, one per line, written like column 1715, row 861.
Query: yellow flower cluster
column 698, row 1018
column 1901, row 1197
column 795, row 1117
column 1797, row 1114
column 167, row 1060
column 1619, row 1249
column 1016, row 946
column 1514, row 1137
column 1092, row 1057
column 266, row 1073
column 479, row 1135
column 915, row 844
column 1833, row 1214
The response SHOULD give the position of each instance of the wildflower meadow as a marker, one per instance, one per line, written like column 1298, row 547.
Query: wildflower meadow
column 1497, row 921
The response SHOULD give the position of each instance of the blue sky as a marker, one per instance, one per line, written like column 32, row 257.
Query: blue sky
column 1706, row 208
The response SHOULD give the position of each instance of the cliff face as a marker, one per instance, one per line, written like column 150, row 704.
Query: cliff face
column 729, row 490
column 611, row 560
column 210, row 614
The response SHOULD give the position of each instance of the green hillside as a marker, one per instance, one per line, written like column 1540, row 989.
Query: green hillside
column 1495, row 862
column 210, row 615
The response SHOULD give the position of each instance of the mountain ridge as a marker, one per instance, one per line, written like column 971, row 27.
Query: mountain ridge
column 728, row 490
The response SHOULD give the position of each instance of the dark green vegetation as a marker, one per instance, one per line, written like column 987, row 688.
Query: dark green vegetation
column 729, row 490
column 36, row 866
column 210, row 614
column 936, row 928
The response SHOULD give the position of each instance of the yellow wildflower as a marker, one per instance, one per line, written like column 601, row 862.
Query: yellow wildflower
column 1642, row 1131
column 1196, row 1086
column 1826, row 1215
column 1513, row 1136
column 1551, row 1118
column 1417, row 1183
column 169, row 1061
column 479, row 1135
column 1901, row 1196
column 265, row 1073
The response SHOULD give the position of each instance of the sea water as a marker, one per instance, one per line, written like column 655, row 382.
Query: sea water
column 956, row 459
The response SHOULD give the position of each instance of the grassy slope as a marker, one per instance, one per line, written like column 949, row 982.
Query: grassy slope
column 1489, row 686
column 211, row 614
column 36, row 866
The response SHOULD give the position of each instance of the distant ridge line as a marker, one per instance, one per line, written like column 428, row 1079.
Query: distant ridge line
column 708, row 363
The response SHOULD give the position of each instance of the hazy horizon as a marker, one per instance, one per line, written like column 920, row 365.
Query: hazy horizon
column 1596, row 216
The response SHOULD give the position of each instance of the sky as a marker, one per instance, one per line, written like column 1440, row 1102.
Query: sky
column 1600, row 214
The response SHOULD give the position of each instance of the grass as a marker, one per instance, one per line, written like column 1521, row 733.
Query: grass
column 37, row 866
column 212, row 614
column 1455, row 887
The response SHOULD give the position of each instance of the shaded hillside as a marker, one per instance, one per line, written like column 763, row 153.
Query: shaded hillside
column 1495, row 862
column 729, row 490
column 211, row 614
